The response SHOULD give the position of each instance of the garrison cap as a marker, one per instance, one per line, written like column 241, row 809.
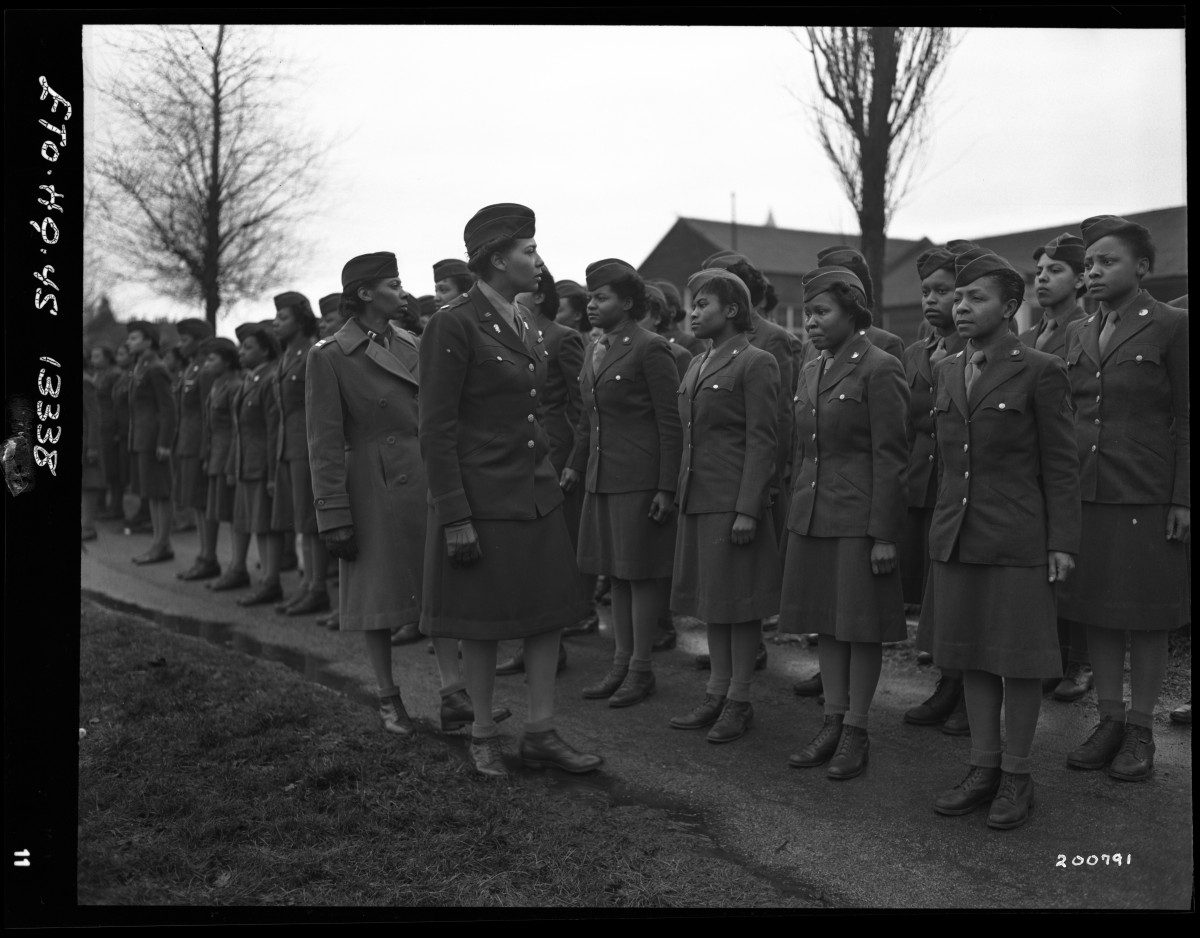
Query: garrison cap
column 1066, row 247
column 450, row 267
column 724, row 260
column 654, row 294
column 569, row 288
column 1101, row 226
column 291, row 298
column 851, row 259
column 262, row 333
column 220, row 346
column 973, row 264
column 960, row 246
column 198, row 329
column 148, row 329
column 671, row 292
column 820, row 279
column 702, row 278
column 934, row 259
column 370, row 267
column 608, row 270
column 493, row 222
column 330, row 303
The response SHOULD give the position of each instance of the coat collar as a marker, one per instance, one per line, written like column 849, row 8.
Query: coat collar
column 620, row 343
column 846, row 360
column 493, row 323
column 1137, row 314
column 290, row 360
column 954, row 343
column 352, row 335
column 1005, row 358
column 722, row 357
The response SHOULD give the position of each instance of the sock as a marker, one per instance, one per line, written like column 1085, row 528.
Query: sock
column 452, row 688
column 1112, row 708
column 638, row 664
column 984, row 759
column 539, row 726
column 484, row 730
column 1016, row 765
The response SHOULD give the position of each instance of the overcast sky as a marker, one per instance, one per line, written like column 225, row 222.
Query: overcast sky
column 611, row 133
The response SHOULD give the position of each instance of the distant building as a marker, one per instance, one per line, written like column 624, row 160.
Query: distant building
column 784, row 254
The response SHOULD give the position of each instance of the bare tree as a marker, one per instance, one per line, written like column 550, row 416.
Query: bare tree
column 202, row 184
column 875, row 83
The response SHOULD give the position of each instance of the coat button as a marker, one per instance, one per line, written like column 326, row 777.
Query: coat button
column 1135, row 520
column 814, row 436
column 814, row 485
column 716, row 387
column 1137, row 358
column 1001, row 406
column 814, row 410
column 933, row 436
column 403, row 479
column 1097, row 421
column 964, row 501
column 320, row 501
column 531, row 367
column 1097, row 374
column 533, row 392
column 391, row 440
column 814, row 459
column 530, row 444
column 966, row 446
column 967, row 474
column 1097, row 398
column 1093, row 447
column 618, row 377
column 530, row 418
column 931, row 457
column 841, row 397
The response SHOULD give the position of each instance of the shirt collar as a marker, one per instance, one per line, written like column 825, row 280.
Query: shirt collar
column 504, row 307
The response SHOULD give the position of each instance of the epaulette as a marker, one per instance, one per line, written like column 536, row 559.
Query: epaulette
column 321, row 342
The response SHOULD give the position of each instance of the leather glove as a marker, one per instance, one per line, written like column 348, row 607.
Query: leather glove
column 462, row 544
column 341, row 543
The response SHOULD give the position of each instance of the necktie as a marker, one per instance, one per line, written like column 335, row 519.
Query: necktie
column 939, row 351
column 1048, row 327
column 599, row 350
column 1110, row 326
column 974, row 368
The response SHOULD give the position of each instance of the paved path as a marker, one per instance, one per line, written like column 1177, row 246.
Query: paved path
column 870, row 842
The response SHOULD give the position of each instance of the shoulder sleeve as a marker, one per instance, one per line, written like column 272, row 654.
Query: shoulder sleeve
column 1178, row 365
column 164, row 400
column 324, row 426
column 445, row 361
column 761, row 389
column 887, row 402
column 1058, row 456
column 662, row 378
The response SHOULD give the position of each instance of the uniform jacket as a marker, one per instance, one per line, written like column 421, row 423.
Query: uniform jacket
column 361, row 410
column 151, row 406
column 91, row 416
column 1058, row 338
column 686, row 341
column 920, row 478
column 255, row 425
column 683, row 358
column 110, row 430
column 218, row 423
column 1008, row 489
column 1132, row 415
column 559, row 402
column 848, row 466
column 888, row 341
column 628, row 437
column 728, row 404
column 288, row 386
column 191, row 390
column 120, row 403
column 486, row 455
column 789, row 353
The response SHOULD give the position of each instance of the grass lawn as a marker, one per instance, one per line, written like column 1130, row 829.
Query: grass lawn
column 208, row 777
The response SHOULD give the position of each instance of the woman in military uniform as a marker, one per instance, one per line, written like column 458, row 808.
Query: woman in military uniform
column 626, row 455
column 672, row 329
column 726, row 554
column 251, row 464
column 572, row 308
column 151, row 430
column 1058, row 283
column 120, row 403
column 1128, row 365
column 847, row 513
column 295, row 330
column 92, row 482
column 220, row 357
column 1004, row 532
column 935, row 267
column 331, row 315
column 496, row 524
column 451, row 279
column 842, row 255
column 106, row 372
column 191, row 484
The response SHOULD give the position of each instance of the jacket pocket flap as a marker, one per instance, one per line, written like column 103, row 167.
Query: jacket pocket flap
column 1139, row 354
column 1007, row 403
column 846, row 391
column 719, row 383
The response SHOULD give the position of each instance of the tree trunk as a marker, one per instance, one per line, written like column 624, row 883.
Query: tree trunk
column 211, row 275
column 872, row 217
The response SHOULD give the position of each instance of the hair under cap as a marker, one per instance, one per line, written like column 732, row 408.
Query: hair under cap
column 492, row 222
column 671, row 292
column 934, row 259
column 198, row 329
column 148, row 329
column 971, row 265
column 655, row 294
column 1101, row 226
column 450, row 267
column 260, row 332
column 820, row 279
column 569, row 288
column 606, row 271
column 330, row 303
column 702, row 278
column 427, row 304
column 291, row 298
column 220, row 346
column 375, row 266
column 1066, row 247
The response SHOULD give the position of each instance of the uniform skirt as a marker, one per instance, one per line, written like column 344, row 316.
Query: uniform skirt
column 718, row 581
column 1128, row 576
column 252, row 507
column 828, row 588
column 149, row 477
column 292, row 507
column 218, row 505
column 191, row 483
column 988, row 617
column 110, row 460
column 913, row 552
column 526, row 582
column 617, row 537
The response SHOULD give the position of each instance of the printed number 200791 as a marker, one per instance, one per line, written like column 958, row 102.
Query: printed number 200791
column 1108, row 859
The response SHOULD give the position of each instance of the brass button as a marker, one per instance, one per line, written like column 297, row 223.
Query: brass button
column 391, row 440
column 814, row 485
column 1137, row 358
column 531, row 366
column 533, row 392
column 403, row 479
column 841, row 397
column 966, row 446
column 1093, row 447
column 931, row 457
column 1097, row 374
column 964, row 501
column 530, row 444
column 1097, row 421
column 530, row 418
column 1001, row 405
column 967, row 474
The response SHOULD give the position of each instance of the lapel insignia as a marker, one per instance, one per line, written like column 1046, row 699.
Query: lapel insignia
column 295, row 377
column 487, row 315
column 627, row 340
column 256, row 377
column 735, row 351
column 497, row 328
column 854, row 355
column 1144, row 312
column 1090, row 318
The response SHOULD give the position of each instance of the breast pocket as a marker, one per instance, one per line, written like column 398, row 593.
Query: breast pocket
column 846, row 394
column 719, row 384
column 1138, row 355
column 495, row 356
column 1006, row 404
